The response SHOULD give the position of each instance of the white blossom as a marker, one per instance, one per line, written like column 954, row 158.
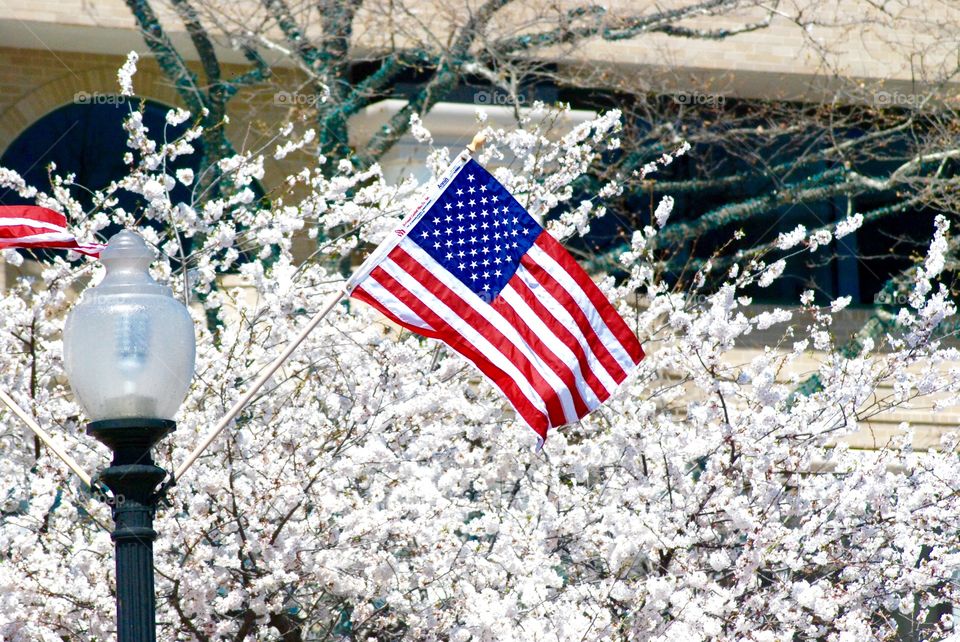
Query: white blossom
column 420, row 133
column 840, row 303
column 664, row 208
column 177, row 116
column 771, row 273
column 848, row 226
column 185, row 176
column 11, row 257
column 786, row 241
column 285, row 149
column 126, row 72
column 819, row 238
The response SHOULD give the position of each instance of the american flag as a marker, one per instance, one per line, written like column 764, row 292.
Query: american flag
column 472, row 268
column 31, row 226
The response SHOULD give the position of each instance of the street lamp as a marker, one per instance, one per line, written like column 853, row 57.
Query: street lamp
column 129, row 349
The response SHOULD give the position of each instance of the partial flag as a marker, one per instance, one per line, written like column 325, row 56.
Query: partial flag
column 472, row 268
column 32, row 227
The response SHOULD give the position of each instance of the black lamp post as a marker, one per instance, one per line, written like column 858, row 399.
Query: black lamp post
column 129, row 353
column 133, row 478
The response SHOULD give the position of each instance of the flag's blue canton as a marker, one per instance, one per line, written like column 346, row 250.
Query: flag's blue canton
column 477, row 231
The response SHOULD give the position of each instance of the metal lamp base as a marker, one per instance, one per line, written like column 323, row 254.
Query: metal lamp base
column 133, row 478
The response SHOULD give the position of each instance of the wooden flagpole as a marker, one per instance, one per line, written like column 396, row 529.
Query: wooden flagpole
column 46, row 438
column 476, row 143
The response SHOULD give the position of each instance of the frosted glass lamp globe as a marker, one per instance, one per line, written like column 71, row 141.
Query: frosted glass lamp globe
column 128, row 345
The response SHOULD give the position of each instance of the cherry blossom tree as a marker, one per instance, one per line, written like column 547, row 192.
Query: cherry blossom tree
column 379, row 490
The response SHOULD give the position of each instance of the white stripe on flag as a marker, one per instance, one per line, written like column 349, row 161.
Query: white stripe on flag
column 593, row 315
column 31, row 222
column 41, row 238
column 554, row 343
column 392, row 303
column 566, row 319
column 497, row 320
column 466, row 331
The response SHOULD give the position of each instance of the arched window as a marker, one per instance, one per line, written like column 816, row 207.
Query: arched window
column 87, row 139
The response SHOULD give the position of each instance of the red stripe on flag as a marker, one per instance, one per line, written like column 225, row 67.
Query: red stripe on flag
column 563, row 334
column 534, row 417
column 34, row 212
column 570, row 304
column 486, row 329
column 22, row 231
column 611, row 317
column 540, row 347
